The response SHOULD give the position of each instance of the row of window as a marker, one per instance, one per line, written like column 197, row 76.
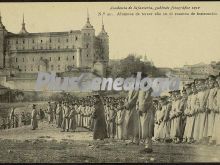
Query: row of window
column 50, row 59
column 50, row 40
column 67, row 47
column 33, row 48
column 38, row 68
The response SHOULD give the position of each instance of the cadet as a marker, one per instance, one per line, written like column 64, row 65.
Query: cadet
column 187, row 133
column 72, row 117
column 120, row 121
column 210, row 111
column 216, row 129
column 50, row 113
column 59, row 115
column 34, row 122
column 65, row 122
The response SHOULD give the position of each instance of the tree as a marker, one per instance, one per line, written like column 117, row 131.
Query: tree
column 133, row 64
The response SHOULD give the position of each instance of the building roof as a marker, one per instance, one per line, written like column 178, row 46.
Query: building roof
column 44, row 33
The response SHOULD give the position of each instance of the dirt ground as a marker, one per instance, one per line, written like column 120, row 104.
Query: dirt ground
column 48, row 145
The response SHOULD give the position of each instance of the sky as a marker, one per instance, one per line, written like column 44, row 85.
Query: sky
column 169, row 41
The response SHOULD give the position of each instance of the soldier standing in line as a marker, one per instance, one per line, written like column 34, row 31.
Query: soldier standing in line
column 107, row 117
column 12, row 117
column 50, row 113
column 59, row 115
column 159, row 116
column 166, row 120
column 54, row 111
column 112, row 124
column 23, row 120
column 132, row 126
column 72, row 117
column 210, row 110
column 183, row 117
column 34, row 122
column 198, row 112
column 186, row 135
column 78, row 113
column 65, row 122
column 177, row 118
column 172, row 116
column 194, row 108
column 146, row 109
column 205, row 127
column 215, row 111
column 216, row 128
column 99, row 131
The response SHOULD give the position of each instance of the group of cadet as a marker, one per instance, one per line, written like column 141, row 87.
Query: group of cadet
column 70, row 115
column 14, row 120
column 190, row 115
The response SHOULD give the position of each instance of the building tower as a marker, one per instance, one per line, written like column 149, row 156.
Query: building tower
column 104, row 45
column 23, row 29
column 87, row 43
column 3, row 33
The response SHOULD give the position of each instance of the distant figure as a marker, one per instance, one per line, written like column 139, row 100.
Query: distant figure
column 8, row 124
column 50, row 113
column 3, row 126
column 59, row 115
column 112, row 124
column 23, row 119
column 34, row 122
column 100, row 131
column 120, row 121
column 41, row 114
column 65, row 122
column 72, row 117
column 12, row 117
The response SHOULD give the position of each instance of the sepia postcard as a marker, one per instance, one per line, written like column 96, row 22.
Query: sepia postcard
column 109, row 82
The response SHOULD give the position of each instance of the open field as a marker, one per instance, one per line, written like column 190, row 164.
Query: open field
column 48, row 144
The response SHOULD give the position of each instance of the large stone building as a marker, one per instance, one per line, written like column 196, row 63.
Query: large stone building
column 27, row 52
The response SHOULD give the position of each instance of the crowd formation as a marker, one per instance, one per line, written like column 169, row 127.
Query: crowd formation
column 14, row 120
column 190, row 115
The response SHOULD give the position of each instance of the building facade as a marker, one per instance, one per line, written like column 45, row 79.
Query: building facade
column 53, row 51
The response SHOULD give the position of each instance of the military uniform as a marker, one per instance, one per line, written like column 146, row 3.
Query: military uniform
column 34, row 122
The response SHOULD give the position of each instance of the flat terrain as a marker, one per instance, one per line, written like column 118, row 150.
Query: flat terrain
column 48, row 144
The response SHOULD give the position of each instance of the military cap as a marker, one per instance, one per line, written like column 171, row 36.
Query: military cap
column 195, row 80
column 188, row 85
column 211, row 77
column 171, row 92
column 183, row 90
column 163, row 97
column 177, row 91
column 201, row 80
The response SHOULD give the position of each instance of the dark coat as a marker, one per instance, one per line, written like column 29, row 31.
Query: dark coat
column 100, row 130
